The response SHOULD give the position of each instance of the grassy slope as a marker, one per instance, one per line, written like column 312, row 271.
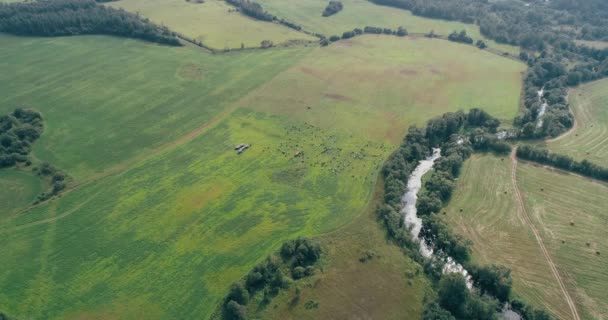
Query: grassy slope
column 489, row 219
column 167, row 237
column 589, row 140
column 19, row 189
column 569, row 199
column 388, row 286
column 361, row 13
column 211, row 22
column 107, row 100
column 379, row 85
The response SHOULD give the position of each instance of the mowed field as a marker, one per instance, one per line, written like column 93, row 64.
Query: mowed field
column 18, row 189
column 214, row 22
column 490, row 219
column 589, row 139
column 170, row 215
column 361, row 13
column 570, row 212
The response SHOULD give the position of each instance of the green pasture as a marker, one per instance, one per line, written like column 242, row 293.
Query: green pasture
column 377, row 85
column 107, row 100
column 17, row 189
column 589, row 140
column 171, row 215
column 361, row 13
column 214, row 22
column 570, row 212
column 489, row 218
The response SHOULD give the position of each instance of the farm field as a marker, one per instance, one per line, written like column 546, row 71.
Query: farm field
column 379, row 85
column 93, row 104
column 570, row 212
column 361, row 13
column 490, row 219
column 589, row 139
column 177, row 203
column 19, row 189
column 214, row 22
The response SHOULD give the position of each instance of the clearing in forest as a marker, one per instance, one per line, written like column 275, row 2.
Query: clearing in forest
column 589, row 138
column 500, row 235
column 179, row 203
column 213, row 22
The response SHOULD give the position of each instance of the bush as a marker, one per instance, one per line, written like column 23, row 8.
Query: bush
column 348, row 34
column 334, row 38
column 332, row 8
column 235, row 311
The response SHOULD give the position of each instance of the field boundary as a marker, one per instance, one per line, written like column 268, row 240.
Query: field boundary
column 524, row 214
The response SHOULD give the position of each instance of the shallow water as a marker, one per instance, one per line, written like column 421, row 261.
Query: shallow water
column 414, row 223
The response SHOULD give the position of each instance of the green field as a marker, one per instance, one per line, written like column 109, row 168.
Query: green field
column 103, row 109
column 570, row 212
column 490, row 219
column 589, row 139
column 171, row 215
column 379, row 85
column 18, row 189
column 211, row 22
column 361, row 13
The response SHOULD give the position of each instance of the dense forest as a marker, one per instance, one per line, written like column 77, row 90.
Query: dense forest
column 78, row 17
column 458, row 134
column 18, row 131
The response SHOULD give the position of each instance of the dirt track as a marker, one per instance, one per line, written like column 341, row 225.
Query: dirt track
column 524, row 214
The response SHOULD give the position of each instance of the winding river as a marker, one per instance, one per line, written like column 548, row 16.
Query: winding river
column 414, row 223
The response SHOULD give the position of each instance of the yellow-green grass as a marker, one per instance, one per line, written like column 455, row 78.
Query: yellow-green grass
column 589, row 139
column 570, row 213
column 387, row 286
column 214, row 22
column 107, row 100
column 165, row 238
column 593, row 44
column 376, row 85
column 361, row 13
column 489, row 218
column 17, row 189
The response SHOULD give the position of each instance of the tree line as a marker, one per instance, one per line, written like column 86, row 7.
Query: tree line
column 543, row 156
column 458, row 134
column 252, row 9
column 78, row 17
column 400, row 32
column 296, row 259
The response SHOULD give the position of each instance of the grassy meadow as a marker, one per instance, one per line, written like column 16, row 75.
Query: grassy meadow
column 377, row 86
column 490, row 220
column 171, row 215
column 589, row 140
column 570, row 212
column 361, row 13
column 108, row 100
column 18, row 189
column 214, row 22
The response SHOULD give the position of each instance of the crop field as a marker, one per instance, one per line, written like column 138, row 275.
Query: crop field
column 361, row 13
column 379, row 85
column 489, row 218
column 167, row 200
column 19, row 189
column 213, row 22
column 589, row 139
column 93, row 100
column 570, row 212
